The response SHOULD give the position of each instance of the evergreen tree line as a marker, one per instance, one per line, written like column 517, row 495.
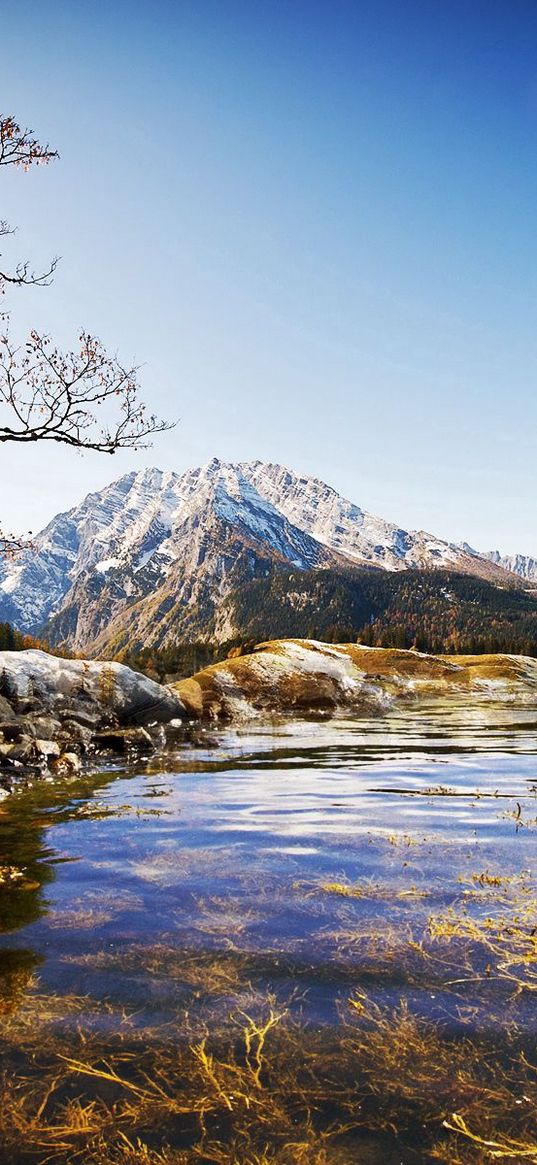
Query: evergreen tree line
column 433, row 611
column 13, row 640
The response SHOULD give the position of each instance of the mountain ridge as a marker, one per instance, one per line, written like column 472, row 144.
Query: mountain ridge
column 155, row 552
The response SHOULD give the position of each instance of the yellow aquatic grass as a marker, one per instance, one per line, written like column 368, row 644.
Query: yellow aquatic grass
column 237, row 1078
column 264, row 1090
column 254, row 1041
column 373, row 891
column 509, row 940
column 514, row 1150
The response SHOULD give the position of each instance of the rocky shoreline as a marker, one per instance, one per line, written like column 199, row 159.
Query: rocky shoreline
column 59, row 715
column 303, row 677
column 56, row 714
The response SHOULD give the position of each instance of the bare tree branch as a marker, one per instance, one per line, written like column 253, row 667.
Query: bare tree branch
column 19, row 148
column 50, row 395
column 23, row 276
column 56, row 396
column 12, row 544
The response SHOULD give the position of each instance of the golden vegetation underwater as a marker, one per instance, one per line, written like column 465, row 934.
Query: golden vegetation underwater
column 239, row 1077
column 193, row 1007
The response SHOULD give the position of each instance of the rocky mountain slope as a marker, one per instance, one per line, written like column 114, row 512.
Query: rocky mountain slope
column 521, row 564
column 152, row 557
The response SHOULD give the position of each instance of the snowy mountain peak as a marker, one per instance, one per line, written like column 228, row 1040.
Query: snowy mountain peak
column 188, row 538
column 522, row 564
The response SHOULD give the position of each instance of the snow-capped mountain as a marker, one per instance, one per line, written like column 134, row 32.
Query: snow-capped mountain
column 150, row 557
column 348, row 530
column 521, row 564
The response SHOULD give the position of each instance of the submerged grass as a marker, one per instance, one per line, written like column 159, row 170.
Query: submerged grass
column 264, row 1088
column 234, row 1076
column 252, row 1083
column 506, row 942
column 373, row 891
column 429, row 1053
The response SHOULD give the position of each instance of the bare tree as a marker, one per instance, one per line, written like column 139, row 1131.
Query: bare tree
column 56, row 396
column 11, row 545
column 50, row 395
column 18, row 147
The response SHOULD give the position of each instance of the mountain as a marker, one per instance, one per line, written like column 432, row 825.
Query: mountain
column 436, row 611
column 521, row 564
column 152, row 558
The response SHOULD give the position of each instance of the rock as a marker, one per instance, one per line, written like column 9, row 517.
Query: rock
column 6, row 710
column 12, row 729
column 73, row 736
column 306, row 677
column 102, row 688
column 81, row 716
column 22, row 751
column 45, row 749
column 28, row 705
column 68, row 764
column 174, row 733
column 45, row 727
column 124, row 739
column 192, row 698
column 70, row 705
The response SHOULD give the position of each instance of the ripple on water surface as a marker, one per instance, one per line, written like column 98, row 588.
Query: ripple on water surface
column 323, row 932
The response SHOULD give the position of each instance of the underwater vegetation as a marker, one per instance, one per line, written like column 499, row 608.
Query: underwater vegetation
column 240, row 1075
column 286, row 953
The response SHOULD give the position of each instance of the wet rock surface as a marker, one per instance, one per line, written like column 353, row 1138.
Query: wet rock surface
column 124, row 740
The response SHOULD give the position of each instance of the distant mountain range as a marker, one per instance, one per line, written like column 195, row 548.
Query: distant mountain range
column 154, row 557
column 521, row 564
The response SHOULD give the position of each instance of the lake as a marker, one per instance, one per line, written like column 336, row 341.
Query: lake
column 296, row 942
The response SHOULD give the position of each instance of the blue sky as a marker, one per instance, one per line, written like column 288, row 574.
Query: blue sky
column 313, row 225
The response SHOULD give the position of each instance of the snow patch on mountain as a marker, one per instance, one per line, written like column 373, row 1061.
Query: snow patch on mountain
column 190, row 537
column 342, row 526
column 521, row 564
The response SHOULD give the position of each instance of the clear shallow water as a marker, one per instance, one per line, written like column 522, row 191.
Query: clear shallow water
column 307, row 857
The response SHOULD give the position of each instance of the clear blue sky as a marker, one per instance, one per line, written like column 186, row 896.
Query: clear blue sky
column 313, row 224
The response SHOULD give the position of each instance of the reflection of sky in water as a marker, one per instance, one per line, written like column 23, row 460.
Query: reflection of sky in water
column 246, row 830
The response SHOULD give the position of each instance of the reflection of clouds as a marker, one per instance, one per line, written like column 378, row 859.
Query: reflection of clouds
column 297, row 800
column 304, row 783
column 95, row 908
column 275, row 806
column 300, row 850
column 160, row 869
column 460, row 818
column 175, row 864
